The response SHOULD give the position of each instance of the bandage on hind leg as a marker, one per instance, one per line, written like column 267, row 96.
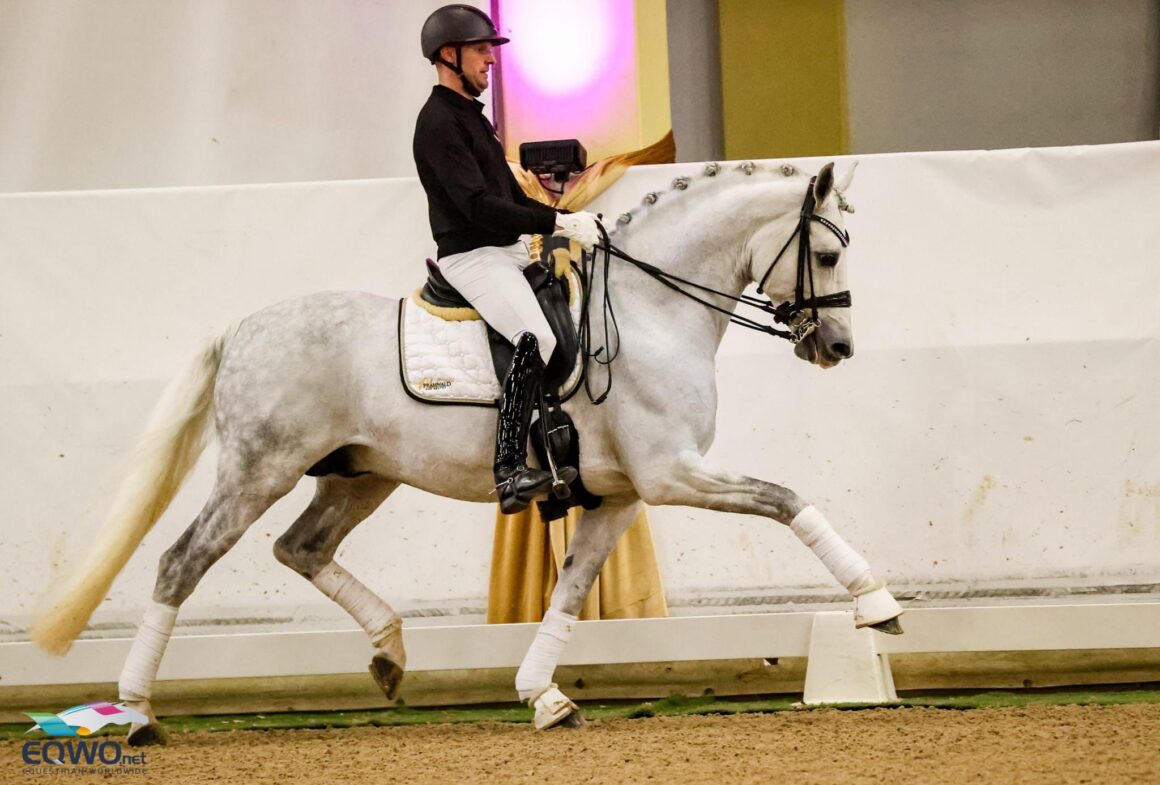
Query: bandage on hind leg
column 535, row 673
column 377, row 618
column 846, row 565
column 140, row 671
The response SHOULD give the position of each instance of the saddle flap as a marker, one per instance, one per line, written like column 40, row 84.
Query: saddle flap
column 554, row 295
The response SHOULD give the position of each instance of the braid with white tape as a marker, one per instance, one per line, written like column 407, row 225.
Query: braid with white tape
column 535, row 673
column 847, row 567
column 140, row 671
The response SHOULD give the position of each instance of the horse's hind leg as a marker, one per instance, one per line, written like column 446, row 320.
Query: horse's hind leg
column 232, row 507
column 308, row 548
column 596, row 534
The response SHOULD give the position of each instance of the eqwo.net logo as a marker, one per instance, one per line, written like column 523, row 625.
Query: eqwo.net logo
column 71, row 726
column 84, row 720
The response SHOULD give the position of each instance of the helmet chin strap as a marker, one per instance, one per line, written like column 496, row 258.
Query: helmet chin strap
column 471, row 89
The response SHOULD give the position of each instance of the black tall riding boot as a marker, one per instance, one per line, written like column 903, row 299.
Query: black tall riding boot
column 515, row 483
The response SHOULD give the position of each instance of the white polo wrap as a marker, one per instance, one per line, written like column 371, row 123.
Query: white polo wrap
column 140, row 671
column 376, row 617
column 847, row 567
column 535, row 673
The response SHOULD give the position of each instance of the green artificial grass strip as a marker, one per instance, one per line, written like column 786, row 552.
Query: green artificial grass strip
column 1048, row 697
column 673, row 706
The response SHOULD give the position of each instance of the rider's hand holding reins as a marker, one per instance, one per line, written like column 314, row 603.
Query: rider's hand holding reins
column 580, row 226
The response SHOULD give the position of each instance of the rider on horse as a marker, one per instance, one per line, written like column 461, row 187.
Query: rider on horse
column 478, row 212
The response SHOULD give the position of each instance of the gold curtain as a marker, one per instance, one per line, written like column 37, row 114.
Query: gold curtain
column 527, row 553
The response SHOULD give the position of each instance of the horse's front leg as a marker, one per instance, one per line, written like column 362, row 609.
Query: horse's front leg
column 690, row 481
column 596, row 534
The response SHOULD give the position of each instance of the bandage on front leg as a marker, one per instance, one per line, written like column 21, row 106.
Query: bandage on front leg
column 377, row 618
column 535, row 673
column 843, row 562
column 140, row 671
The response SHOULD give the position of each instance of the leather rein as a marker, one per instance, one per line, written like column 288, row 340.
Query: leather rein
column 787, row 313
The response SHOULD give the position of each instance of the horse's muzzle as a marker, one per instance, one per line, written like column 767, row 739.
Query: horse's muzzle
column 824, row 347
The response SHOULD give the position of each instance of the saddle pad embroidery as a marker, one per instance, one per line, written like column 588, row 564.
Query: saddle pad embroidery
column 445, row 361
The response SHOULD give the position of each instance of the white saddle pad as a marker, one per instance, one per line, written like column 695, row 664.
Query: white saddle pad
column 444, row 361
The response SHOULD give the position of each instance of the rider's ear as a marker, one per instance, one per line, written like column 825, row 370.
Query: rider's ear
column 847, row 177
column 824, row 184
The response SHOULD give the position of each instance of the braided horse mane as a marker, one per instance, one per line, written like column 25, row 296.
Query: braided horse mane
column 710, row 171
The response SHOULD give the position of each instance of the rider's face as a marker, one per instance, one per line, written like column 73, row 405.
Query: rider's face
column 476, row 62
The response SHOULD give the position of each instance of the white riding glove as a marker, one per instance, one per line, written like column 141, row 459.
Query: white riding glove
column 580, row 227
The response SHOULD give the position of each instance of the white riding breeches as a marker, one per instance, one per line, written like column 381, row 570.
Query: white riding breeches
column 492, row 280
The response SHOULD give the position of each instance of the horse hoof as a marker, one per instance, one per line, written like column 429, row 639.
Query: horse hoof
column 146, row 735
column 876, row 606
column 890, row 626
column 553, row 709
column 573, row 721
column 387, row 673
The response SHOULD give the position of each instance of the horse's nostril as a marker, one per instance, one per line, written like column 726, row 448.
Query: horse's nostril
column 841, row 349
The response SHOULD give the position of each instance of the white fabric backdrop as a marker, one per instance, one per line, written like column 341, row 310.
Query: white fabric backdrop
column 997, row 425
column 145, row 93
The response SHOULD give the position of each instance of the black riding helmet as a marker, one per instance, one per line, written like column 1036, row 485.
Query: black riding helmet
column 456, row 25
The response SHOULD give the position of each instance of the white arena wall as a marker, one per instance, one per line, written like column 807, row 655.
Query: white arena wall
column 137, row 93
column 995, row 433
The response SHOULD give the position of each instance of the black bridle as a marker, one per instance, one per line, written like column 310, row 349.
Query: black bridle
column 787, row 313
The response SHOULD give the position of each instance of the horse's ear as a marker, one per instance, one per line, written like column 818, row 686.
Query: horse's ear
column 847, row 177
column 824, row 184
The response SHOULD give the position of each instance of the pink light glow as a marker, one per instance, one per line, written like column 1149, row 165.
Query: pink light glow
column 570, row 71
column 538, row 55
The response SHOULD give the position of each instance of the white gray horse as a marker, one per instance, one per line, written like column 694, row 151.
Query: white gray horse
column 317, row 376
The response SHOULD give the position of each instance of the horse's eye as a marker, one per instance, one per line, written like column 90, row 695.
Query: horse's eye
column 827, row 259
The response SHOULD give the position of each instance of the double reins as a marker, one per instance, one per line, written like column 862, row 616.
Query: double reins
column 787, row 313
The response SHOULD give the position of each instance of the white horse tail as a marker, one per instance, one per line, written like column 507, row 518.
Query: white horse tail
column 177, row 433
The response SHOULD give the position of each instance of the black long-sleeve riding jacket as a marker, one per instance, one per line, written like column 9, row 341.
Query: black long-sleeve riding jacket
column 473, row 198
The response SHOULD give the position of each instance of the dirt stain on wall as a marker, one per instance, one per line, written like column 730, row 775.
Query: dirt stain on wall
column 979, row 498
column 1139, row 521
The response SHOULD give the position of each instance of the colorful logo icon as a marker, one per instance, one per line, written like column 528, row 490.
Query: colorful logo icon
column 85, row 719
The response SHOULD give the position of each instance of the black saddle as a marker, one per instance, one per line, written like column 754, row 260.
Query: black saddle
column 551, row 292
